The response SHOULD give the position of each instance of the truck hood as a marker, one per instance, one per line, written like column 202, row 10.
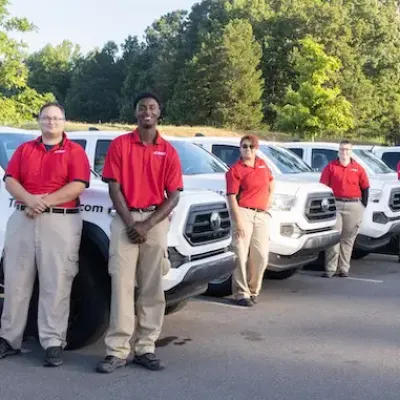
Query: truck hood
column 217, row 183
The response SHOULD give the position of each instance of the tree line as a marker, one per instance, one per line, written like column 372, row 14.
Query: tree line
column 308, row 67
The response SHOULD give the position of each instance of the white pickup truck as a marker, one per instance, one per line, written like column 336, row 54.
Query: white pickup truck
column 199, row 241
column 303, row 213
column 381, row 223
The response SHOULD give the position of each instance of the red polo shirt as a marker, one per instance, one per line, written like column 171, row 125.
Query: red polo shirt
column 42, row 171
column 144, row 172
column 345, row 182
column 398, row 170
column 250, row 184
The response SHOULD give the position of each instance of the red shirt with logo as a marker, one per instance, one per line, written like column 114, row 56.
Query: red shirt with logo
column 144, row 171
column 345, row 182
column 42, row 171
column 251, row 185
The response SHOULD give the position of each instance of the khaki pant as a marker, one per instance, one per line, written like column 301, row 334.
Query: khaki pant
column 349, row 218
column 252, row 252
column 144, row 265
column 48, row 244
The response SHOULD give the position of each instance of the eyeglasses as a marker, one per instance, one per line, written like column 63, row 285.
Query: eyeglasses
column 49, row 119
column 248, row 146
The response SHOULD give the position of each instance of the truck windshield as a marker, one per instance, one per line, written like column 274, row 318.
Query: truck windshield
column 284, row 160
column 371, row 162
column 9, row 143
column 195, row 160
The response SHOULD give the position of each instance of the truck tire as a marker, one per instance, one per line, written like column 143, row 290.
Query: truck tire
column 90, row 302
column 280, row 275
column 220, row 288
column 359, row 254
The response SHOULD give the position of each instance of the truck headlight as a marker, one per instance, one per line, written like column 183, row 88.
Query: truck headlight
column 375, row 195
column 283, row 202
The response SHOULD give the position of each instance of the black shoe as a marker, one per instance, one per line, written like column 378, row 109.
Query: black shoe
column 327, row 275
column 344, row 274
column 244, row 302
column 254, row 299
column 6, row 350
column 110, row 364
column 53, row 357
column 149, row 361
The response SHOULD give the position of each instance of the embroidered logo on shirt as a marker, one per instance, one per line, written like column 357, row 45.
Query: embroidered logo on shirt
column 354, row 169
column 262, row 166
column 59, row 151
column 159, row 153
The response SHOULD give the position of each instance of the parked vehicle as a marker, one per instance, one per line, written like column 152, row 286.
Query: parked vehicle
column 390, row 155
column 199, row 241
column 303, row 214
column 381, row 222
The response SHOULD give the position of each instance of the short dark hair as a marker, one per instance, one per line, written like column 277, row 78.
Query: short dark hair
column 345, row 141
column 146, row 95
column 52, row 104
column 252, row 139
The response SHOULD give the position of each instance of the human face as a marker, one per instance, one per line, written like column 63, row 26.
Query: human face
column 52, row 121
column 147, row 113
column 247, row 150
column 345, row 153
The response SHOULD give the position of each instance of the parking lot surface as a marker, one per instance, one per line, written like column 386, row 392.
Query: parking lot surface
column 308, row 338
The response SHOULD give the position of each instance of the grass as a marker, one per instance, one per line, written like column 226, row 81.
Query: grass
column 206, row 130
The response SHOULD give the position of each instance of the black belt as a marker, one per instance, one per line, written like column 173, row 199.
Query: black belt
column 54, row 210
column 143, row 210
column 348, row 199
column 257, row 210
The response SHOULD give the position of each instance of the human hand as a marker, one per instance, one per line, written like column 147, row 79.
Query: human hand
column 137, row 233
column 30, row 213
column 239, row 230
column 36, row 203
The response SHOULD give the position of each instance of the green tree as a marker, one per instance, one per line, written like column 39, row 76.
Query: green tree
column 316, row 105
column 222, row 84
column 18, row 101
column 50, row 69
column 95, row 86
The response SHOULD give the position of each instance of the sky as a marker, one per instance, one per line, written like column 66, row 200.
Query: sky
column 90, row 23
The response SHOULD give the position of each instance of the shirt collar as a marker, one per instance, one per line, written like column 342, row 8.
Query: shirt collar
column 257, row 162
column 352, row 163
column 61, row 144
column 136, row 137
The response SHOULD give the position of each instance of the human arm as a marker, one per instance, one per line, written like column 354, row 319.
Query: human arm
column 271, row 193
column 232, row 190
column 326, row 176
column 364, row 186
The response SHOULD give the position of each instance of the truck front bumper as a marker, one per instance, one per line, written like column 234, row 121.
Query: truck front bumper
column 195, row 276
column 307, row 254
column 371, row 244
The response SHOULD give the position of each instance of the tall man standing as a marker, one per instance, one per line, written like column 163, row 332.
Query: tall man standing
column 46, row 177
column 350, row 186
column 140, row 167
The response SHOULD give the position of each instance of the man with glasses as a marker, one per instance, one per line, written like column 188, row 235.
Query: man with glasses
column 45, row 176
column 350, row 185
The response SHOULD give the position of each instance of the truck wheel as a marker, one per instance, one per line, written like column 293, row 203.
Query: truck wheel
column 221, row 287
column 90, row 302
column 279, row 275
column 176, row 307
column 359, row 254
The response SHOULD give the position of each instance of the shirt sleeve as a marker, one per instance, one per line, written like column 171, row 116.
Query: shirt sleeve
column 173, row 174
column 232, row 182
column 326, row 176
column 398, row 170
column 364, row 181
column 13, row 169
column 79, row 168
column 112, row 170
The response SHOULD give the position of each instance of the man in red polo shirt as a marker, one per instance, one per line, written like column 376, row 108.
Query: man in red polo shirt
column 145, row 178
column 250, row 188
column 350, row 185
column 46, row 177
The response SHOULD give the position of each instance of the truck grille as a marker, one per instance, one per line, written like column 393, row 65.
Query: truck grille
column 208, row 223
column 394, row 201
column 320, row 207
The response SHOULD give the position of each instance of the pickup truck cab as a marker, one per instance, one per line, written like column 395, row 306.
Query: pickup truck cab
column 390, row 155
column 199, row 241
column 303, row 214
column 381, row 222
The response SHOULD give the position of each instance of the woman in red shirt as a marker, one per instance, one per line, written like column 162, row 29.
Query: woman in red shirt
column 250, row 187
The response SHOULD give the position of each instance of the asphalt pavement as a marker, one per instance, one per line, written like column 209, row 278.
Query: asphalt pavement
column 308, row 338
